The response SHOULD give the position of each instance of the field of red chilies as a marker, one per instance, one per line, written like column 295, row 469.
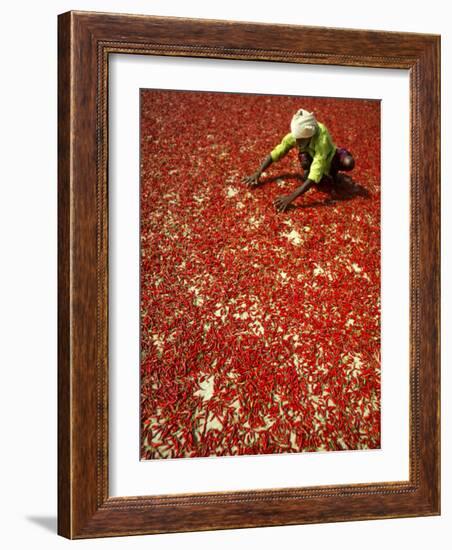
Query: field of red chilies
column 260, row 330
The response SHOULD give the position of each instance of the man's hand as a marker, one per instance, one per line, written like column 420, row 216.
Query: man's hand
column 253, row 180
column 282, row 203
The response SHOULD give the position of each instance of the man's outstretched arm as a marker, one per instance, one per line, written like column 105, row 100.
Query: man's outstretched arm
column 281, row 203
column 278, row 153
column 253, row 180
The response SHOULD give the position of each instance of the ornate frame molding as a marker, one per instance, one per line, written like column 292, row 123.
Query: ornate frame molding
column 85, row 42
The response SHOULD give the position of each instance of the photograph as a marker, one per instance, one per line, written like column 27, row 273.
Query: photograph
column 222, row 315
column 260, row 290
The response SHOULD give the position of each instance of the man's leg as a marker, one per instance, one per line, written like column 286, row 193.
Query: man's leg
column 305, row 163
column 343, row 161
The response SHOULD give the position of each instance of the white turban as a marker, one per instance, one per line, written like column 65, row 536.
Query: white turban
column 303, row 124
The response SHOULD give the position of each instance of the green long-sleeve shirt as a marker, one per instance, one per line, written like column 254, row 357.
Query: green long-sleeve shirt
column 320, row 147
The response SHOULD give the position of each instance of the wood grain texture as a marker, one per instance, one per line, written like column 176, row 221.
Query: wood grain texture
column 64, row 295
column 85, row 42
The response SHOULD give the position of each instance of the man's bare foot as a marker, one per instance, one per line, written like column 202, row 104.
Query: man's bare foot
column 343, row 179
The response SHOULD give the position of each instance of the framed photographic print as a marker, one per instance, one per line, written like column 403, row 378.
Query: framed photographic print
column 248, row 275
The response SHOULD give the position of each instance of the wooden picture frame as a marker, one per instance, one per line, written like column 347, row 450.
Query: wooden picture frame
column 85, row 42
